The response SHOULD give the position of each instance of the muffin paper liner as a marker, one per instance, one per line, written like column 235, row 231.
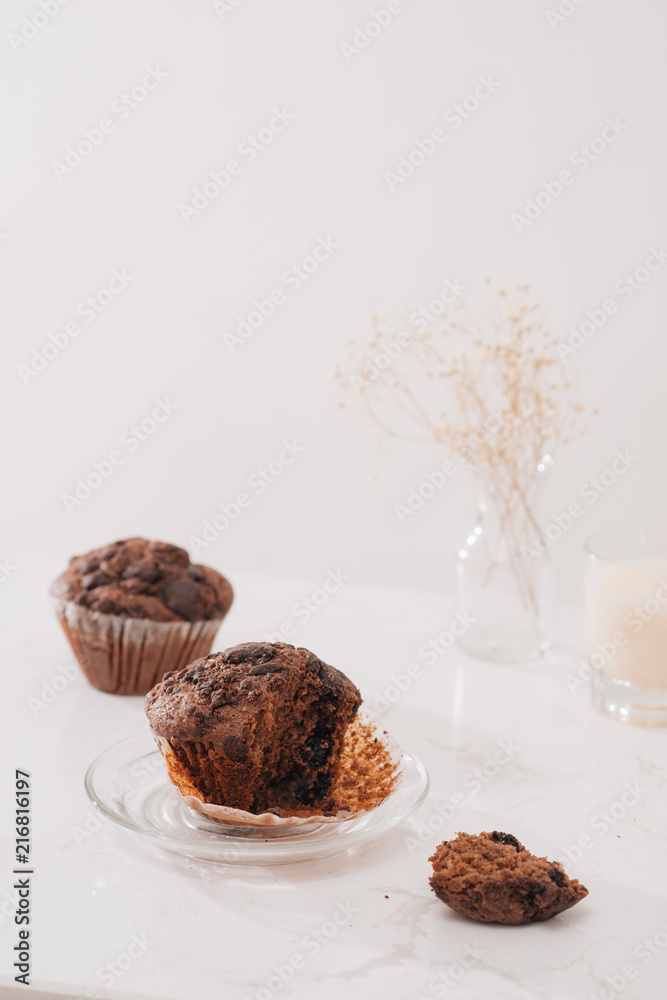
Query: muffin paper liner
column 130, row 655
column 180, row 755
column 239, row 817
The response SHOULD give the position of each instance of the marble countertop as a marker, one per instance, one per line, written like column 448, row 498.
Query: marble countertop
column 512, row 748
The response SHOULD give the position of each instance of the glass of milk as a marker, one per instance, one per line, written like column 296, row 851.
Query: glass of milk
column 626, row 617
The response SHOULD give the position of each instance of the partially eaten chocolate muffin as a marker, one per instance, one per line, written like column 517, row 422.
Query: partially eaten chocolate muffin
column 258, row 727
column 493, row 878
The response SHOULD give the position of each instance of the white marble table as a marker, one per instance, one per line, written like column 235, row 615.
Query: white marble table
column 113, row 916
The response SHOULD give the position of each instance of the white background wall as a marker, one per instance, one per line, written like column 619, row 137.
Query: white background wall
column 163, row 336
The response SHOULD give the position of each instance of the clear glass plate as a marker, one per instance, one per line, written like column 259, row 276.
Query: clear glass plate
column 128, row 784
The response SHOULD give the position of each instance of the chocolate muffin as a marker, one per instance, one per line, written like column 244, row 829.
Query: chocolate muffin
column 493, row 878
column 258, row 727
column 135, row 609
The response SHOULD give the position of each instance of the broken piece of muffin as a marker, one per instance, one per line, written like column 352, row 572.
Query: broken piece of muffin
column 258, row 727
column 493, row 878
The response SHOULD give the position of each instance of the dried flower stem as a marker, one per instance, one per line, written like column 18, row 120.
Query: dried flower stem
column 509, row 408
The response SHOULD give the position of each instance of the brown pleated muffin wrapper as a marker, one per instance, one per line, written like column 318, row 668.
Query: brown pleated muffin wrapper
column 130, row 655
column 369, row 771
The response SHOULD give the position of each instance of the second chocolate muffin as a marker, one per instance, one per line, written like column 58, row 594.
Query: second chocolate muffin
column 258, row 727
column 135, row 609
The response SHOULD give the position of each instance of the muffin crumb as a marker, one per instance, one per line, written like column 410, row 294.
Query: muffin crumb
column 491, row 877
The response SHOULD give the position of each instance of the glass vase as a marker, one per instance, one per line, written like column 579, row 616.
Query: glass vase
column 505, row 570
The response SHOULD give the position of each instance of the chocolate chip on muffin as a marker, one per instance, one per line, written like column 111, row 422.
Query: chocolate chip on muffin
column 491, row 877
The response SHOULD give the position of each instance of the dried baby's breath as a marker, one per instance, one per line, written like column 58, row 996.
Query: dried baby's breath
column 492, row 391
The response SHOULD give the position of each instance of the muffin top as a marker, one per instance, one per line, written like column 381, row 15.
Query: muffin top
column 214, row 697
column 136, row 578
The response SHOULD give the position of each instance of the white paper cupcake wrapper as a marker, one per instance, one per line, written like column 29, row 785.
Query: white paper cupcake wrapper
column 239, row 817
